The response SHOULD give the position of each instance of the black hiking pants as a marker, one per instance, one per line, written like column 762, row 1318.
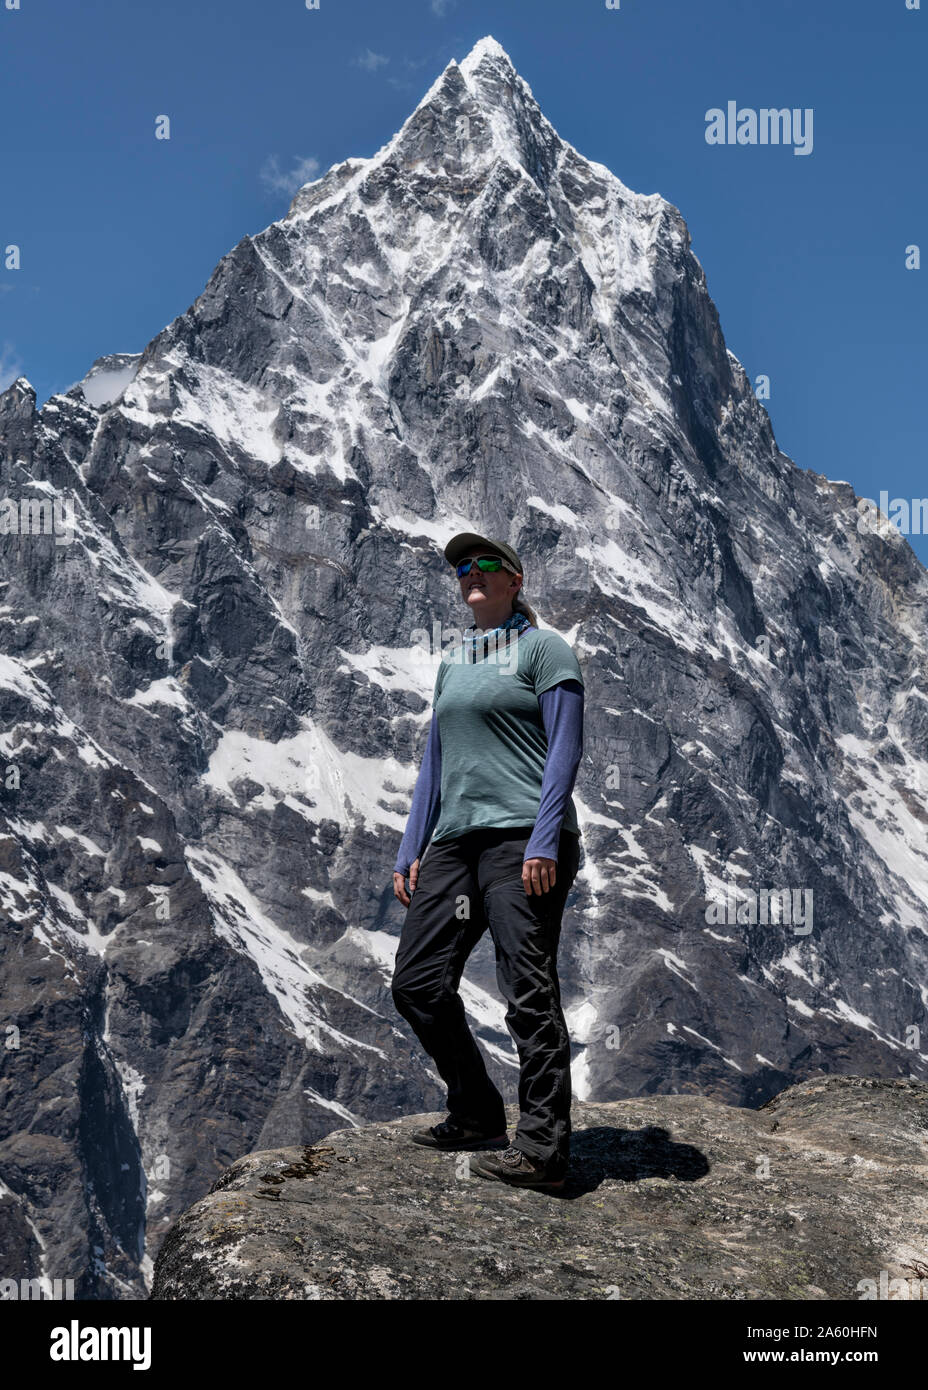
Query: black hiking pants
column 464, row 885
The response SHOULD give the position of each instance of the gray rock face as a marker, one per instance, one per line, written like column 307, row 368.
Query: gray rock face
column 216, row 672
column 668, row 1197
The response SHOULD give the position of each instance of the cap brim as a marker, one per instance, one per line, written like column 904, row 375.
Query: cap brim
column 463, row 543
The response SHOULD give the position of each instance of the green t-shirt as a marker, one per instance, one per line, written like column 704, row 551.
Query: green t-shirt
column 493, row 740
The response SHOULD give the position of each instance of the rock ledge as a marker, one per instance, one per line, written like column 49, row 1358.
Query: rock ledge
column 669, row 1197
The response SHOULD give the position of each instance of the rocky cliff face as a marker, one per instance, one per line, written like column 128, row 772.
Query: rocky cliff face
column 216, row 667
column 820, row 1194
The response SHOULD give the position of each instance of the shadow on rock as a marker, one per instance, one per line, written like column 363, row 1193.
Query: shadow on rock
column 629, row 1155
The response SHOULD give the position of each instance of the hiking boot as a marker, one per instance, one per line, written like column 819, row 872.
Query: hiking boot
column 517, row 1169
column 455, row 1134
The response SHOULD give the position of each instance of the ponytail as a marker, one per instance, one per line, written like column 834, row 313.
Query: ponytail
column 520, row 605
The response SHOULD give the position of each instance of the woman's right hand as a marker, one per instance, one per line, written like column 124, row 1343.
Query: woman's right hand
column 399, row 883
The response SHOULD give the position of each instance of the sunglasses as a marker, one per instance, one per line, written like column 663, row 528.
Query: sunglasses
column 488, row 564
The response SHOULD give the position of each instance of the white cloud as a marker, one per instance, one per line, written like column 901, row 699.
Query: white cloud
column 410, row 66
column 278, row 180
column 10, row 367
column 371, row 61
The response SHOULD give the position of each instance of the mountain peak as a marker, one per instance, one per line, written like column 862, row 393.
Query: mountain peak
column 487, row 47
column 487, row 99
column 474, row 113
column 485, row 50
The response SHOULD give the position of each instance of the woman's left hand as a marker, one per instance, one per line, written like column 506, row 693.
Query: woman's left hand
column 538, row 875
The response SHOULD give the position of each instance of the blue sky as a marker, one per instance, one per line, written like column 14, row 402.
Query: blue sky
column 804, row 254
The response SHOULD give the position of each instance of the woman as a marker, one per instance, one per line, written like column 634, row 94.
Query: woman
column 495, row 787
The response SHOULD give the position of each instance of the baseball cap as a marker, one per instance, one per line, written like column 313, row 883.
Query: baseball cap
column 468, row 542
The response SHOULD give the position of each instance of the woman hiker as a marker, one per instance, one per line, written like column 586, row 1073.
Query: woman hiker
column 495, row 786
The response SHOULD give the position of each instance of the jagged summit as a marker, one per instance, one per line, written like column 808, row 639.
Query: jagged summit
column 487, row 47
column 476, row 113
column 486, row 51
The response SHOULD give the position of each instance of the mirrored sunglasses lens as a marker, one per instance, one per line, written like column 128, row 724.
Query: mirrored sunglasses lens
column 488, row 564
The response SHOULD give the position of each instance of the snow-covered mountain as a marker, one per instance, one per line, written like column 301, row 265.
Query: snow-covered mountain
column 214, row 690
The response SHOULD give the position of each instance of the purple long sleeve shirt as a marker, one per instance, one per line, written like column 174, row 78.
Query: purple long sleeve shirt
column 562, row 714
